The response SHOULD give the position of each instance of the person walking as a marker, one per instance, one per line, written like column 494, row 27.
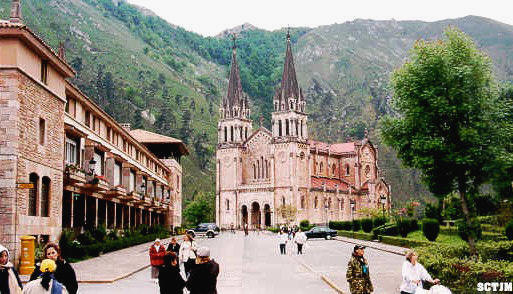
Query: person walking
column 188, row 253
column 300, row 240
column 203, row 278
column 46, row 283
column 170, row 279
column 64, row 273
column 358, row 272
column 413, row 274
column 282, row 241
column 174, row 247
column 10, row 282
column 157, row 252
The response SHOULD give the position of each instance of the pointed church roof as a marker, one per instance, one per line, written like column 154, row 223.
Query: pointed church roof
column 289, row 86
column 234, row 95
column 15, row 16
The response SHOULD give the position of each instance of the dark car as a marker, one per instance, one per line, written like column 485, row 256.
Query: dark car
column 208, row 229
column 321, row 232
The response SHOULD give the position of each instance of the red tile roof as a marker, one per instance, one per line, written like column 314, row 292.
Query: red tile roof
column 333, row 148
column 146, row 137
column 331, row 184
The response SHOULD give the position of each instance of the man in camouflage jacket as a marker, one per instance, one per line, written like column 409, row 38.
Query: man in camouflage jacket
column 358, row 273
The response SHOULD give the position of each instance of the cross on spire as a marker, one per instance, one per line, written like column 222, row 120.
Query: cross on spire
column 15, row 11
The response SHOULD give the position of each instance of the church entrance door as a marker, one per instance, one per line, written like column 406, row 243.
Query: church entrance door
column 255, row 215
column 244, row 213
column 267, row 212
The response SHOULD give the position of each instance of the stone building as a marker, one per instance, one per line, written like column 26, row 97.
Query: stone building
column 64, row 162
column 262, row 171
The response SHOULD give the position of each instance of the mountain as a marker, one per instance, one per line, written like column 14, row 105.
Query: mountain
column 156, row 75
column 237, row 30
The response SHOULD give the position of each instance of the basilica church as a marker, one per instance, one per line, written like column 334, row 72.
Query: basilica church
column 270, row 177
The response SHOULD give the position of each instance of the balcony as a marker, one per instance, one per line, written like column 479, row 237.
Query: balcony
column 74, row 175
column 117, row 191
column 132, row 197
column 98, row 184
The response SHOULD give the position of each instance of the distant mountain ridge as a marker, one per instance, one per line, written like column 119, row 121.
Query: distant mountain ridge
column 237, row 30
column 142, row 69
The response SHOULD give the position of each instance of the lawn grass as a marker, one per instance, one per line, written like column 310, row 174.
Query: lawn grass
column 442, row 238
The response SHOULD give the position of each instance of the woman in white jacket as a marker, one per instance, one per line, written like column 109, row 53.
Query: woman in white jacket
column 413, row 274
column 187, row 253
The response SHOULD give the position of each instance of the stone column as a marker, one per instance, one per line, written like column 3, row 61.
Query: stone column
column 96, row 213
column 72, row 215
column 115, row 215
column 129, row 220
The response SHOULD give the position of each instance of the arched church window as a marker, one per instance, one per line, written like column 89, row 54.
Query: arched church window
column 258, row 168
column 254, row 171
column 225, row 134
column 45, row 196
column 246, row 136
column 301, row 129
column 316, row 202
column 302, row 202
column 283, row 200
column 279, row 128
column 287, row 127
column 263, row 167
column 33, row 194
column 347, row 169
column 291, row 105
column 266, row 169
column 341, row 204
column 329, row 203
column 333, row 169
column 227, row 204
column 321, row 168
column 240, row 129
column 231, row 134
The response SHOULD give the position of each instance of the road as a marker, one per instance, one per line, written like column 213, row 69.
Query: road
column 253, row 265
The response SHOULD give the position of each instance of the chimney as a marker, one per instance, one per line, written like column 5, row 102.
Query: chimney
column 61, row 52
column 126, row 126
column 15, row 11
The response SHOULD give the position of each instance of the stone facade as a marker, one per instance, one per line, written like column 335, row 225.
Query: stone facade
column 64, row 162
column 263, row 172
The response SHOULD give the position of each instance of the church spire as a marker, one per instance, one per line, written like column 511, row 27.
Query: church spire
column 15, row 11
column 235, row 103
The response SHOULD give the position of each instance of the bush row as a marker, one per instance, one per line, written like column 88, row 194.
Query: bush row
column 357, row 235
column 402, row 242
column 367, row 224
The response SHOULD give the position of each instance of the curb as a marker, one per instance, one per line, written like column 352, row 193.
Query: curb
column 373, row 247
column 323, row 277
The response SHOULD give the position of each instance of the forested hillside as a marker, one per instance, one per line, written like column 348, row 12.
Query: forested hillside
column 158, row 76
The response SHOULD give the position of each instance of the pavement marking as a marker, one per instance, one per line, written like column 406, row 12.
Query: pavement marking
column 322, row 276
column 373, row 247
column 113, row 280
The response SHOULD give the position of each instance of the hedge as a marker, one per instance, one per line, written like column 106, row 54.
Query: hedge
column 340, row 225
column 402, row 242
column 357, row 235
column 367, row 225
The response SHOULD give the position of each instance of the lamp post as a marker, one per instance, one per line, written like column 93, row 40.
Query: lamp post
column 352, row 203
column 326, row 210
column 383, row 200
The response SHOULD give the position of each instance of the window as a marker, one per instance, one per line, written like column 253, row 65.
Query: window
column 341, row 204
column 246, row 135
column 286, row 127
column 320, row 168
column 42, row 131
column 240, row 129
column 231, row 134
column 254, row 171
column 329, row 203
column 316, row 202
column 279, row 128
column 88, row 119
column 71, row 151
column 297, row 126
column 266, row 169
column 44, row 72
column 132, row 181
column 302, row 202
column 117, row 174
column 225, row 134
column 333, row 169
column 282, row 200
column 45, row 197
column 301, row 128
column 258, row 168
column 347, row 169
column 67, row 105
column 108, row 134
column 99, row 166
column 32, row 200
column 227, row 204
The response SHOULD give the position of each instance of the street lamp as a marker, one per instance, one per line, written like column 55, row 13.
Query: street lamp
column 326, row 210
column 383, row 199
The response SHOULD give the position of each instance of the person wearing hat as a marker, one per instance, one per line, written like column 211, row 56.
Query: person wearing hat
column 46, row 283
column 10, row 282
column 157, row 252
column 358, row 272
column 203, row 277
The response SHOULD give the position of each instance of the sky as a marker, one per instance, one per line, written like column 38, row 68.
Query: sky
column 210, row 17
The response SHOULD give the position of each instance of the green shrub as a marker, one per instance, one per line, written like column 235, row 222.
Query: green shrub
column 86, row 238
column 367, row 225
column 430, row 228
column 489, row 219
column 403, row 226
column 433, row 211
column 387, row 230
column 340, row 225
column 356, row 235
column 379, row 221
column 492, row 228
column 509, row 230
column 65, row 243
column 356, row 225
column 402, row 242
column 100, row 233
column 464, row 231
column 304, row 225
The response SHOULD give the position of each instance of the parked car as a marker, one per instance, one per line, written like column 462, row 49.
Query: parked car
column 321, row 232
column 205, row 229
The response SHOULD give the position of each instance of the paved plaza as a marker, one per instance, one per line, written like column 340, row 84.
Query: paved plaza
column 252, row 265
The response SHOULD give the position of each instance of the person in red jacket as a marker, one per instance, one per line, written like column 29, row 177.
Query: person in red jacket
column 157, row 253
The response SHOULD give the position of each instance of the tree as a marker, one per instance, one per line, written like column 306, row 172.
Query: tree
column 185, row 130
column 200, row 210
column 446, row 101
column 287, row 212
